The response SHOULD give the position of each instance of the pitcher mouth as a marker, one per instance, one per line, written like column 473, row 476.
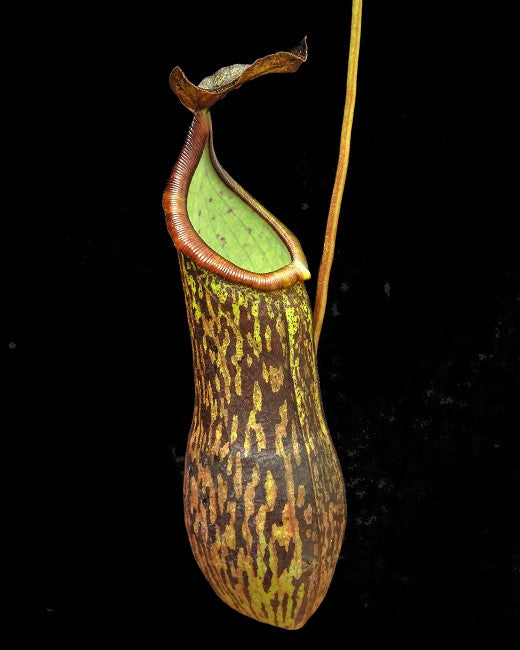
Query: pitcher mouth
column 278, row 248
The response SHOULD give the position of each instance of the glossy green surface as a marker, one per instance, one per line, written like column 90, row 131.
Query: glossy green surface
column 231, row 227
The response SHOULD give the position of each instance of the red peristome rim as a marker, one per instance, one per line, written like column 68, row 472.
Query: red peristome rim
column 188, row 242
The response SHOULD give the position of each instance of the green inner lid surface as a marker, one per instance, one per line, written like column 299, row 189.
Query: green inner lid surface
column 228, row 225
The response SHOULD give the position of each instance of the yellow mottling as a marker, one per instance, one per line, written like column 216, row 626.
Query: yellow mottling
column 229, row 467
column 234, row 428
column 290, row 520
column 200, row 527
column 293, row 322
column 216, row 442
column 212, row 403
column 256, row 325
column 237, row 357
column 229, row 532
column 231, row 393
column 299, row 394
column 267, row 336
column 238, row 381
column 247, row 435
column 260, row 540
column 257, row 396
column 276, row 378
column 270, row 491
column 222, row 363
column 280, row 329
column 221, row 493
column 249, row 507
column 240, row 299
column 295, row 444
column 283, row 534
column 223, row 411
column 252, row 424
column 299, row 598
column 252, row 602
column 300, row 499
column 255, row 339
column 194, row 495
column 207, row 483
column 237, row 477
column 219, row 290
column 260, row 524
column 236, row 312
column 239, row 346
column 224, row 451
column 281, row 429
column 285, row 585
column 210, row 323
column 194, row 302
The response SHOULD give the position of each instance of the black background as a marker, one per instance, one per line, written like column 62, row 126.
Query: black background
column 418, row 368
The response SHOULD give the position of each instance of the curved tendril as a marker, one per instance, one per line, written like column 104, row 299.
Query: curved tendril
column 341, row 173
